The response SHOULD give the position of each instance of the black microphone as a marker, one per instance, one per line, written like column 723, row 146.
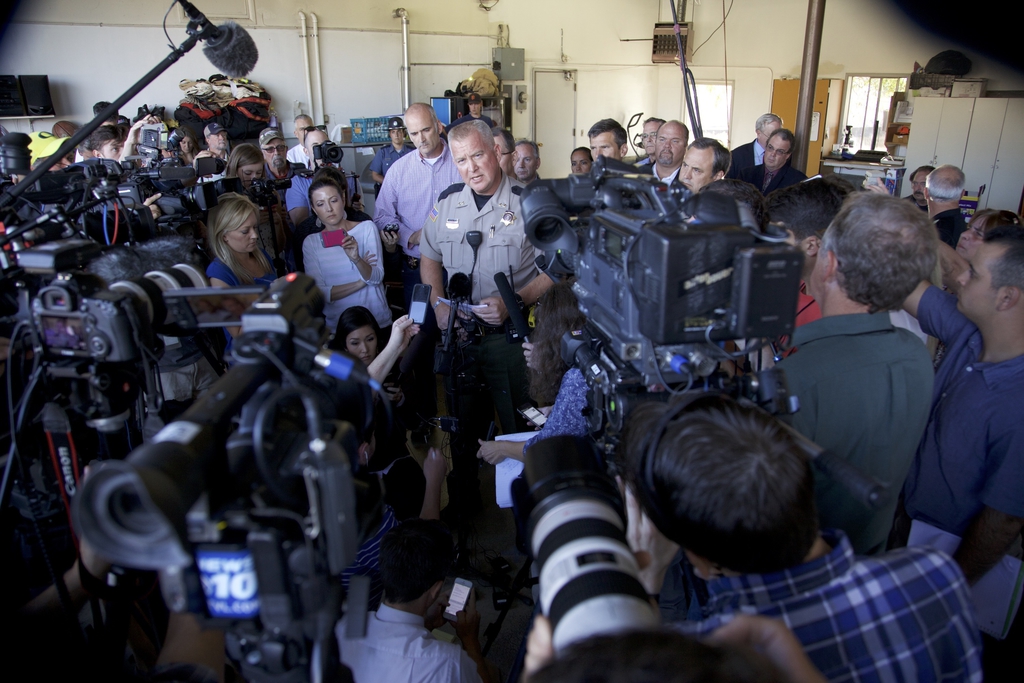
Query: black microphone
column 515, row 313
column 229, row 47
column 459, row 286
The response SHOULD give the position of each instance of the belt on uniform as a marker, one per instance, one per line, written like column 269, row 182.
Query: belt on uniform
column 485, row 330
column 412, row 262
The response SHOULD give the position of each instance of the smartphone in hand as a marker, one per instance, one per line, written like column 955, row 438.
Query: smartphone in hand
column 332, row 238
column 459, row 598
column 420, row 301
column 532, row 415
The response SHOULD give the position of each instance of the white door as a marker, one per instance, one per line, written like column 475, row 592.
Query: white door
column 554, row 120
column 953, row 129
column 924, row 132
column 983, row 146
column 1008, row 177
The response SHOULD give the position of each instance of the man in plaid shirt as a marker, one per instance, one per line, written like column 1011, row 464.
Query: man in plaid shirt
column 727, row 483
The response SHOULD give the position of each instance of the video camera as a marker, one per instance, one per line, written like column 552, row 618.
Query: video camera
column 250, row 526
column 663, row 278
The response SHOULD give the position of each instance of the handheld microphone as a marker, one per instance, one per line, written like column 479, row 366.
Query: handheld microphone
column 229, row 47
column 515, row 313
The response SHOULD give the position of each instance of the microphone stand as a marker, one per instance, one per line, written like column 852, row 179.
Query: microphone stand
column 197, row 30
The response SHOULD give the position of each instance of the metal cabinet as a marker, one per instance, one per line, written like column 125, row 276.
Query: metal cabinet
column 984, row 137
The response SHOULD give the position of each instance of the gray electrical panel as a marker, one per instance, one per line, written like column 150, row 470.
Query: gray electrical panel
column 509, row 63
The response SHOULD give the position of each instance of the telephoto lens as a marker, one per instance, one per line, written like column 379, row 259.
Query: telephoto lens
column 589, row 581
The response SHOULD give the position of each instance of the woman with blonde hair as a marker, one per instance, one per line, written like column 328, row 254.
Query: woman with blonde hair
column 231, row 233
column 247, row 164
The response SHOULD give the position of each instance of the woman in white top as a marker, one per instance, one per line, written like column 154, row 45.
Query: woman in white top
column 348, row 273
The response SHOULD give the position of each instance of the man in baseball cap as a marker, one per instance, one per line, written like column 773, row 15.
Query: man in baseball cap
column 389, row 154
column 216, row 146
column 275, row 154
column 43, row 145
column 476, row 107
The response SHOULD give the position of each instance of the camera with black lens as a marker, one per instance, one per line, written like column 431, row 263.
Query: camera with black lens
column 264, row 191
column 247, row 505
column 78, row 317
column 328, row 153
column 576, row 525
column 664, row 277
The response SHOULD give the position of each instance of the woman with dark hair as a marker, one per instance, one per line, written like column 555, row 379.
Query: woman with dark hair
column 312, row 225
column 409, row 491
column 552, row 382
column 981, row 222
column 344, row 259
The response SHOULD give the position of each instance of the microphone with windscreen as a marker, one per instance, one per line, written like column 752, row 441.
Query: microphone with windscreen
column 515, row 312
column 229, row 47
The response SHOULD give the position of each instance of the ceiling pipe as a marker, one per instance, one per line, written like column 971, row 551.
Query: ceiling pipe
column 318, row 76
column 808, row 82
column 400, row 13
column 305, row 57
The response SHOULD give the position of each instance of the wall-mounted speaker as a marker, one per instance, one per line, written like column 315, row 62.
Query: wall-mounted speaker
column 36, row 91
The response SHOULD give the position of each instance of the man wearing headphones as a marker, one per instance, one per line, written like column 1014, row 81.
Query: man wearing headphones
column 729, row 485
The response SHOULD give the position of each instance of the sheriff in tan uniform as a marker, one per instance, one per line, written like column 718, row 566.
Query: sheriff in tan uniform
column 486, row 201
column 503, row 249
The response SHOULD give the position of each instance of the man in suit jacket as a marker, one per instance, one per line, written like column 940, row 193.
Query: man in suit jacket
column 752, row 154
column 670, row 149
column 774, row 172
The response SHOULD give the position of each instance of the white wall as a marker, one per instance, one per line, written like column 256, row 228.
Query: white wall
column 94, row 50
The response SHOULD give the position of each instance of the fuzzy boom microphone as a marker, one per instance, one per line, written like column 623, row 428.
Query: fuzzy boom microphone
column 229, row 47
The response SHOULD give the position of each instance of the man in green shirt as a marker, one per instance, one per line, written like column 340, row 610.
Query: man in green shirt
column 864, row 386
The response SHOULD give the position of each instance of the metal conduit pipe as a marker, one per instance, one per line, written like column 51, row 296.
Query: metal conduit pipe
column 400, row 13
column 318, row 76
column 305, row 57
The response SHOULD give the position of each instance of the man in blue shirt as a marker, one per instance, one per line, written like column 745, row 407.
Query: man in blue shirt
column 729, row 485
column 476, row 108
column 389, row 154
column 966, row 478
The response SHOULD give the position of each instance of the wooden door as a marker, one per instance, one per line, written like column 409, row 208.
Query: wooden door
column 785, row 95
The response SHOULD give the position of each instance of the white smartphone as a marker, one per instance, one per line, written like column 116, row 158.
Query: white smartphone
column 420, row 301
column 533, row 415
column 458, row 599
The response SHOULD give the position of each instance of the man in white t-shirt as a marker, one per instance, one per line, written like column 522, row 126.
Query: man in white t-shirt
column 297, row 154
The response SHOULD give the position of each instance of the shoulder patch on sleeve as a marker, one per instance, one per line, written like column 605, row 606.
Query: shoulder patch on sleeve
column 452, row 189
column 517, row 190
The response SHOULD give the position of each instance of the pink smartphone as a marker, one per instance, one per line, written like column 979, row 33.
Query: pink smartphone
column 332, row 238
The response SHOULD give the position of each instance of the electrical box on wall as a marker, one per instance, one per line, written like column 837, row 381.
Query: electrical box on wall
column 509, row 63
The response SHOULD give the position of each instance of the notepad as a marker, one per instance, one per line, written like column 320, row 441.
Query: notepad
column 508, row 469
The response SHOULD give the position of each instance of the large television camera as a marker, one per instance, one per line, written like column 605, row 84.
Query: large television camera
column 246, row 505
column 664, row 278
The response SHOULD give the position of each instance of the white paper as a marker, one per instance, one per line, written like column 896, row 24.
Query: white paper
column 465, row 308
column 508, row 469
column 996, row 596
column 815, row 122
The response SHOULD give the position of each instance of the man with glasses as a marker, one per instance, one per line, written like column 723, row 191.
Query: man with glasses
column 275, row 154
column 752, row 154
column 648, row 139
column 917, row 183
column 774, row 173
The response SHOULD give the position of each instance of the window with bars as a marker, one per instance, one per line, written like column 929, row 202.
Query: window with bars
column 867, row 109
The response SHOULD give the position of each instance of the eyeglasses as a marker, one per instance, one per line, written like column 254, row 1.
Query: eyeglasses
column 649, row 136
column 776, row 150
column 280, row 149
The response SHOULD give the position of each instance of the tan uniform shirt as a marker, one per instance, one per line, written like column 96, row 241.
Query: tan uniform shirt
column 504, row 248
